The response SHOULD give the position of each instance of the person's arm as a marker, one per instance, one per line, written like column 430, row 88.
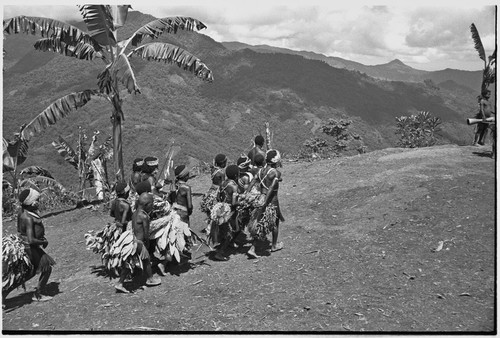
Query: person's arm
column 30, row 233
column 112, row 211
column 270, row 191
column 481, row 109
column 252, row 183
column 234, row 195
column 126, row 208
column 145, row 226
column 189, row 200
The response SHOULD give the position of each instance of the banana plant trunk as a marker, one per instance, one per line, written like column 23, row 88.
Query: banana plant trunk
column 117, row 138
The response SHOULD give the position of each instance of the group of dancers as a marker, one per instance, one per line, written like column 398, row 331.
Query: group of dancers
column 242, row 200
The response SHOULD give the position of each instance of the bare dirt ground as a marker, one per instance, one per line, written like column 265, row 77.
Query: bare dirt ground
column 360, row 239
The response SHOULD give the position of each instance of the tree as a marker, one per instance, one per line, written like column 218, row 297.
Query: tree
column 489, row 71
column 101, row 42
column 417, row 130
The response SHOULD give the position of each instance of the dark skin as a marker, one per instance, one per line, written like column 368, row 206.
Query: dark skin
column 184, row 196
column 485, row 111
column 231, row 197
column 121, row 210
column 33, row 230
column 257, row 149
column 140, row 226
column 140, row 218
column 269, row 186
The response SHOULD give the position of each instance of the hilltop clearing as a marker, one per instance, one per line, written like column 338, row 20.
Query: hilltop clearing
column 362, row 253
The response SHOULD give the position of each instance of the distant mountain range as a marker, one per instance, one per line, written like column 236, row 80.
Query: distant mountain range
column 294, row 93
column 394, row 70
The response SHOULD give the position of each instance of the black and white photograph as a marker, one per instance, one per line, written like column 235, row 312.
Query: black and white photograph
column 249, row 168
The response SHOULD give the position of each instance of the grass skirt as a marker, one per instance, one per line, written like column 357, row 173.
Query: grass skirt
column 221, row 228
column 208, row 201
column 262, row 221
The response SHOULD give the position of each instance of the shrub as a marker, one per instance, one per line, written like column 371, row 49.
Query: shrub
column 417, row 130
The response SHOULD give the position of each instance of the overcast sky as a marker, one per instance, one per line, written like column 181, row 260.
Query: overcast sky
column 431, row 35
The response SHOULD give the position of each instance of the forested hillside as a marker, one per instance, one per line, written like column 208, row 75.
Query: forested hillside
column 292, row 93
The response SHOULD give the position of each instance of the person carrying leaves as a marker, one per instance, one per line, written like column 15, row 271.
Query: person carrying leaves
column 121, row 210
column 140, row 227
column 32, row 234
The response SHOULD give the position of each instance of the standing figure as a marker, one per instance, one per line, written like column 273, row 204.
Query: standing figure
column 257, row 149
column 137, row 175
column 140, row 227
column 485, row 110
column 150, row 170
column 244, row 179
column 266, row 218
column 218, row 175
column 32, row 232
column 223, row 232
column 259, row 163
column 121, row 210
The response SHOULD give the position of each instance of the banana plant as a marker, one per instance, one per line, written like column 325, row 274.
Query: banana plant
column 489, row 71
column 101, row 42
column 90, row 163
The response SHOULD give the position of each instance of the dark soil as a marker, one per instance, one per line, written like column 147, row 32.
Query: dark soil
column 360, row 254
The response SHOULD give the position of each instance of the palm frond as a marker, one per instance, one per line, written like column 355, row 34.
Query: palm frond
column 478, row 45
column 49, row 28
column 120, row 15
column 157, row 27
column 121, row 70
column 35, row 181
column 166, row 52
column 36, row 170
column 56, row 111
column 80, row 50
column 99, row 21
column 66, row 151
column 14, row 152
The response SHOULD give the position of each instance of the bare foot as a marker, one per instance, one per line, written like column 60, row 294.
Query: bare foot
column 121, row 288
column 153, row 281
column 251, row 252
column 218, row 256
column 277, row 247
column 161, row 268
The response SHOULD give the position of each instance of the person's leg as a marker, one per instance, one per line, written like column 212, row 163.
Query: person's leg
column 275, row 246
column 151, row 280
column 119, row 286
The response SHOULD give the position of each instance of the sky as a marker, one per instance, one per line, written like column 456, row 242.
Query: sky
column 432, row 35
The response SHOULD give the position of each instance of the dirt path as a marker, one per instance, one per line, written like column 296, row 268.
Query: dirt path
column 360, row 238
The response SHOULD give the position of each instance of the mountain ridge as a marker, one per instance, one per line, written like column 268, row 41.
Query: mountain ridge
column 294, row 94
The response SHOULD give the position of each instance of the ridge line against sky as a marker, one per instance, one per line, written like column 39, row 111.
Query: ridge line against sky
column 432, row 36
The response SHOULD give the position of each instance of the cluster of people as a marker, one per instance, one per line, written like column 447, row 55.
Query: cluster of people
column 243, row 198
column 140, row 195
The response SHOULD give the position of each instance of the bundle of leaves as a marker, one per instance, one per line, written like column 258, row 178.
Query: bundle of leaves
column 417, row 130
column 207, row 203
column 16, row 264
column 221, row 213
column 170, row 234
column 102, row 242
column 123, row 253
